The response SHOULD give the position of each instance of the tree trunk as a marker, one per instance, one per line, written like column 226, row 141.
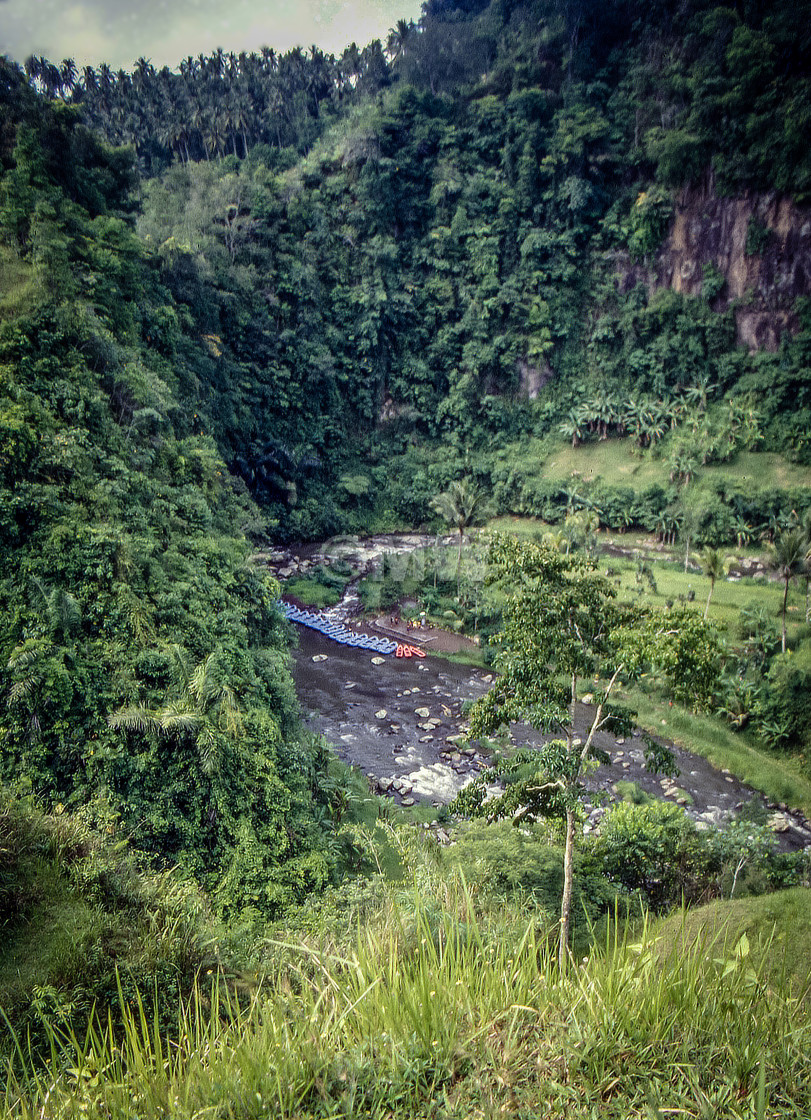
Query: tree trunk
column 707, row 608
column 785, row 603
column 459, row 565
column 566, row 900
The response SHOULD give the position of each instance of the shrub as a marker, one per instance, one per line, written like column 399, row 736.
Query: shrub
column 783, row 712
column 654, row 849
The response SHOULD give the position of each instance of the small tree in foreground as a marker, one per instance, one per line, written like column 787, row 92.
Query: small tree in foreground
column 562, row 626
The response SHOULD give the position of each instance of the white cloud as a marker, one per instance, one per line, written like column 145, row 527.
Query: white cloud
column 119, row 31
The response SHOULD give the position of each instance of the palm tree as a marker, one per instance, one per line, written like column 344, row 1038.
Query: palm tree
column 789, row 559
column 205, row 709
column 715, row 567
column 700, row 392
column 805, row 526
column 398, row 37
column 743, row 531
column 459, row 505
column 572, row 427
column 682, row 463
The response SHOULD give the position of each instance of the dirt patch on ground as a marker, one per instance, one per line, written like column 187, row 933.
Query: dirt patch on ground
column 430, row 638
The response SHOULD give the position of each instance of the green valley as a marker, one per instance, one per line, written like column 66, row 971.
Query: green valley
column 493, row 337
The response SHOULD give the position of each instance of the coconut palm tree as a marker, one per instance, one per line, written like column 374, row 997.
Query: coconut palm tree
column 459, row 505
column 789, row 559
column 715, row 567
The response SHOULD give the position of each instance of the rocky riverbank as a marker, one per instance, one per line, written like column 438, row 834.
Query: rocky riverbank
column 402, row 721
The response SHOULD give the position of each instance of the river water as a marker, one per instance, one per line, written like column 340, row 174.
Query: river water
column 400, row 722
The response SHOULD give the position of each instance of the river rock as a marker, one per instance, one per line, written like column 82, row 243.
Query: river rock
column 381, row 714
column 423, row 713
column 407, row 802
column 426, row 738
column 378, row 660
column 320, row 657
column 779, row 822
column 384, row 784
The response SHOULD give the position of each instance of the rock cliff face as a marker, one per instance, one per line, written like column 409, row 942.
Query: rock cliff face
column 760, row 244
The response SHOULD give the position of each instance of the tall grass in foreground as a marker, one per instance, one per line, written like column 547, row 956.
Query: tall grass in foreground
column 437, row 1011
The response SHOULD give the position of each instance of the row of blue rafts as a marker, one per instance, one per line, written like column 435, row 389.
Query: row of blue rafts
column 342, row 634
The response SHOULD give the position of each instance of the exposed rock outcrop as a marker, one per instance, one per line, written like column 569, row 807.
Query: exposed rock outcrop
column 759, row 243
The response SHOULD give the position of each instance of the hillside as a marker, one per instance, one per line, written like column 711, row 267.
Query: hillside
column 546, row 260
column 143, row 668
column 539, row 220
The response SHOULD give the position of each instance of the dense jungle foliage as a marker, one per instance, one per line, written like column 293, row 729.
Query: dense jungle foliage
column 393, row 247
column 307, row 296
column 144, row 665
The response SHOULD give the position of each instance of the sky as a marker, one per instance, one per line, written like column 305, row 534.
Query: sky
column 166, row 31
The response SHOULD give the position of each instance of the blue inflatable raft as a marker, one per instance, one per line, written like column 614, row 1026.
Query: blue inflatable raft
column 336, row 631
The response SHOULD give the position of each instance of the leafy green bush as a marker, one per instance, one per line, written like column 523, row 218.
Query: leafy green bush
column 652, row 848
column 783, row 711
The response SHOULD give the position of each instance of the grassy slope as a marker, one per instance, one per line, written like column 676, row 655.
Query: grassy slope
column 779, row 777
column 777, row 925
column 438, row 1008
column 78, row 917
column 618, row 461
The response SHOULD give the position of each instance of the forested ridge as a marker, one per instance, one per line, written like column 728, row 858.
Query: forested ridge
column 144, row 664
column 267, row 298
column 414, row 248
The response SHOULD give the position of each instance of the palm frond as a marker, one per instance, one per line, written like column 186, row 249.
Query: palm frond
column 230, row 714
column 180, row 664
column 64, row 612
column 134, row 718
column 21, row 690
column 207, row 750
column 202, row 684
column 176, row 720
